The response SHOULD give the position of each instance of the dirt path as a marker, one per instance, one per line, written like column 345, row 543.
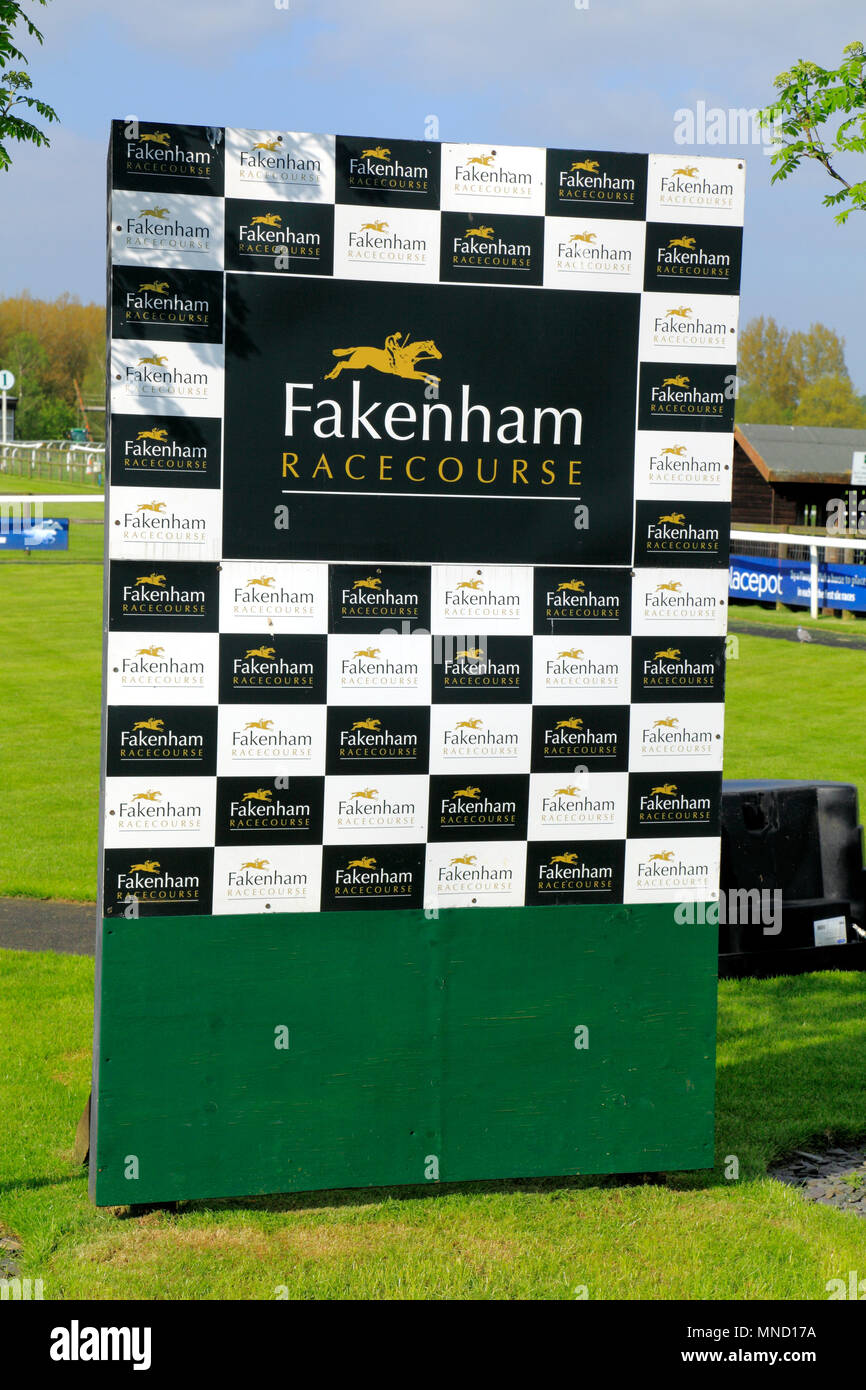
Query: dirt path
column 31, row 924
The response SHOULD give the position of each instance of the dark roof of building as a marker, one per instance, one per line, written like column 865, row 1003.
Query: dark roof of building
column 800, row 453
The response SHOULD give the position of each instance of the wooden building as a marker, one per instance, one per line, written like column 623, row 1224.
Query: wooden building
column 784, row 475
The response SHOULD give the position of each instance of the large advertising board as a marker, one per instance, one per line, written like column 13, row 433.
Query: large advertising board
column 418, row 518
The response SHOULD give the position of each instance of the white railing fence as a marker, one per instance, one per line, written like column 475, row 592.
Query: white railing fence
column 54, row 459
column 807, row 549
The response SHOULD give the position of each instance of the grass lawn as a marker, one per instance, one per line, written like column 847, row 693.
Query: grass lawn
column 793, row 710
column 49, row 728
column 792, row 1054
column 855, row 626
column 15, row 482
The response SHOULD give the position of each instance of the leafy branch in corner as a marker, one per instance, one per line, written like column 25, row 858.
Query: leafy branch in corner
column 810, row 99
column 16, row 85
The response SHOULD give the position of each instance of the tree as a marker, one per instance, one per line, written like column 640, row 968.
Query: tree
column 810, row 99
column 48, row 345
column 820, row 352
column 15, row 85
column 767, row 369
column 779, row 371
column 830, row 401
column 44, row 417
column 27, row 361
column 755, row 408
column 72, row 335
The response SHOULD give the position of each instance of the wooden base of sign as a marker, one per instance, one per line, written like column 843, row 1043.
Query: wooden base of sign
column 81, row 1149
column 241, row 1055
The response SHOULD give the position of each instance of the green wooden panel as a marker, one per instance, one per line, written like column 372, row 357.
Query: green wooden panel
column 409, row 1037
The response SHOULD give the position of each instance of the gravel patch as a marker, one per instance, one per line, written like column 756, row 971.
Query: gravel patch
column 835, row 1178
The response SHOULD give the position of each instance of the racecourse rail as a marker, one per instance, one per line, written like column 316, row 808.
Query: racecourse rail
column 53, row 459
column 812, row 543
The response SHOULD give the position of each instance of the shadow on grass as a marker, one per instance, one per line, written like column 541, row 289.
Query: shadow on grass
column 553, row 1187
column 34, row 1184
column 335, row 1198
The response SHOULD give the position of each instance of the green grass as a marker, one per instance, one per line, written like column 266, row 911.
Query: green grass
column 795, row 711
column 49, row 729
column 855, row 626
column 792, row 1053
column 15, row 482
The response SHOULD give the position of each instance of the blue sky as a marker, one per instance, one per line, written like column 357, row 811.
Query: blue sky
column 610, row 76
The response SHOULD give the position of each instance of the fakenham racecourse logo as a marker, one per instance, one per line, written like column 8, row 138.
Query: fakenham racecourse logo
column 399, row 357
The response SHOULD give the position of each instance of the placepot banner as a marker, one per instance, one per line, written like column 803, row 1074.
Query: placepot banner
column 767, row 579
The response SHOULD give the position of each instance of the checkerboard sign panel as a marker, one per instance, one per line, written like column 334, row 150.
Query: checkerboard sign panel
column 419, row 484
